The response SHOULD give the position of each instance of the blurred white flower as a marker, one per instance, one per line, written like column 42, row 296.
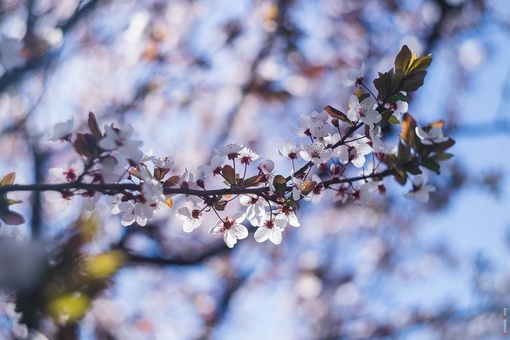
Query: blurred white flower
column 435, row 135
column 191, row 216
column 120, row 140
column 132, row 212
column 354, row 76
column 62, row 131
column 420, row 191
column 214, row 168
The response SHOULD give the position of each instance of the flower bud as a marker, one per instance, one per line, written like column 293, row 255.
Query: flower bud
column 266, row 166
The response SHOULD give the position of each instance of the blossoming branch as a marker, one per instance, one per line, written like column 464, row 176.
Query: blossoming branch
column 136, row 184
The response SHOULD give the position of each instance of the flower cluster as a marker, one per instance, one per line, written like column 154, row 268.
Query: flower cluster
column 340, row 153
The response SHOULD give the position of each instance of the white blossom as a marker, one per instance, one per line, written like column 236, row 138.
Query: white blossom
column 354, row 76
column 89, row 200
column 119, row 139
column 377, row 143
column 214, row 168
column 316, row 153
column 70, row 174
column 364, row 194
column 290, row 150
column 289, row 215
column 62, row 131
column 256, row 208
column 420, row 191
column 246, row 156
column 363, row 111
column 163, row 163
column 354, row 152
column 435, row 135
column 232, row 229
column 152, row 191
column 132, row 212
column 191, row 216
column 271, row 229
column 230, row 150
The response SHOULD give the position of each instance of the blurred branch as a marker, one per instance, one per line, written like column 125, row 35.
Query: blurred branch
column 16, row 74
column 219, row 248
column 283, row 6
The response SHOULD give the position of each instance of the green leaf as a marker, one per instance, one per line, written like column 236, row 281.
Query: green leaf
column 400, row 176
column 393, row 120
column 280, row 185
column 441, row 147
column 412, row 168
column 398, row 96
column 414, row 81
column 383, row 85
column 430, row 164
column 8, row 201
column 390, row 160
column 404, row 153
column 439, row 157
column 421, row 64
column 293, row 204
column 8, row 179
column 396, row 82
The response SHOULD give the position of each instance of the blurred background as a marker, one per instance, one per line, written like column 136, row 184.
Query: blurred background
column 190, row 75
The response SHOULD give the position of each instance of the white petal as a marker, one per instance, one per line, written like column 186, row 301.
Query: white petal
column 262, row 234
column 239, row 231
column 275, row 236
column 230, row 240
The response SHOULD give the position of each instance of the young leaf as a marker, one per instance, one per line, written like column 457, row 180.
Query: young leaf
column 94, row 126
column 439, row 157
column 280, row 185
column 11, row 217
column 439, row 123
column 229, row 174
column 172, row 181
column 307, row 187
column 8, row 179
column 393, row 120
column 82, row 145
column 251, row 181
column 336, row 114
column 409, row 130
column 403, row 58
column 421, row 64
